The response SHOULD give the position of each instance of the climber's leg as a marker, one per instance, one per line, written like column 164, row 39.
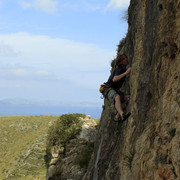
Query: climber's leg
column 118, row 106
column 123, row 116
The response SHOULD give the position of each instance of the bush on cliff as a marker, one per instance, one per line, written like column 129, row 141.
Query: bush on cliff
column 84, row 157
column 67, row 127
column 119, row 48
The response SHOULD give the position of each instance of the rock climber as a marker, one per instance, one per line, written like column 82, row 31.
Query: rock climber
column 116, row 81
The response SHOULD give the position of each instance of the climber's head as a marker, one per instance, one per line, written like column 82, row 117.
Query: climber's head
column 122, row 60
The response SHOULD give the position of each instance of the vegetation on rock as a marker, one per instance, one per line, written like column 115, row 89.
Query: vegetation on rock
column 67, row 127
column 119, row 48
column 84, row 157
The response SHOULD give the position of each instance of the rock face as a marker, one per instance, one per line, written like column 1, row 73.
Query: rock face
column 72, row 165
column 147, row 146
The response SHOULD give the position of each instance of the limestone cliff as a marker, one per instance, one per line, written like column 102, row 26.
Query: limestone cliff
column 147, row 146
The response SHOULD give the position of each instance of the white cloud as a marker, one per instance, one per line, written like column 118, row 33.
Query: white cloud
column 49, row 6
column 43, row 73
column 18, row 72
column 118, row 4
column 54, row 64
column 56, row 51
column 85, row 6
column 90, row 6
column 6, row 51
column 69, row 6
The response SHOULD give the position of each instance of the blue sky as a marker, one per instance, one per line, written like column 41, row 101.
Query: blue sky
column 58, row 50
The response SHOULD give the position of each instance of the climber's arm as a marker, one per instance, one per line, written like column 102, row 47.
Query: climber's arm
column 118, row 77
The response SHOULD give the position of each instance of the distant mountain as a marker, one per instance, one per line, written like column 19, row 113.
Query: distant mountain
column 20, row 101
column 23, row 107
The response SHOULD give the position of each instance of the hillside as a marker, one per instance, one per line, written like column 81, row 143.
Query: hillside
column 23, row 146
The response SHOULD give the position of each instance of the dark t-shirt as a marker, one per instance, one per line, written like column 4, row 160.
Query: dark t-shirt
column 116, row 85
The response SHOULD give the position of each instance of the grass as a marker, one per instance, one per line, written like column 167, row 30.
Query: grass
column 23, row 146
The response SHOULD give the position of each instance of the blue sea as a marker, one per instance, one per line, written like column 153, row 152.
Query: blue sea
column 30, row 110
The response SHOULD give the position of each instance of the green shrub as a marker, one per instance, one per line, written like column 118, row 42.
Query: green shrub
column 120, row 45
column 125, row 16
column 119, row 48
column 67, row 127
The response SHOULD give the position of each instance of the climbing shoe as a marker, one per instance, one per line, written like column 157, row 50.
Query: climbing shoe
column 125, row 116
